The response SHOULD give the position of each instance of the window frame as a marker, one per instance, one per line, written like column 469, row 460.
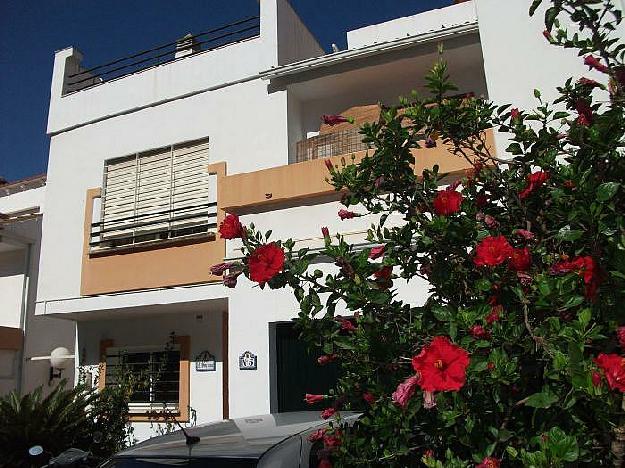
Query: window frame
column 182, row 412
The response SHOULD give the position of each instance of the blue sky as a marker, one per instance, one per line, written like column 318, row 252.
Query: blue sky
column 31, row 30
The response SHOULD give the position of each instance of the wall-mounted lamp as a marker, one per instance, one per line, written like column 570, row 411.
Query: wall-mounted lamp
column 59, row 359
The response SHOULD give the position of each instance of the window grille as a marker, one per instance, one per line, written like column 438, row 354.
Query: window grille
column 156, row 372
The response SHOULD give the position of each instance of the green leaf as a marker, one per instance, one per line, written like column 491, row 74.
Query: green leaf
column 541, row 400
column 537, row 94
column 441, row 313
column 607, row 190
column 568, row 234
column 535, row 5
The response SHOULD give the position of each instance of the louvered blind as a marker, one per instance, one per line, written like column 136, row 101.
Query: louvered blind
column 158, row 194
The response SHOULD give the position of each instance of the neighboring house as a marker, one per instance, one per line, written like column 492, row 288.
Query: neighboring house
column 148, row 153
column 23, row 335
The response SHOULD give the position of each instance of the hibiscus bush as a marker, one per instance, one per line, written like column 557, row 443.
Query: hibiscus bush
column 516, row 356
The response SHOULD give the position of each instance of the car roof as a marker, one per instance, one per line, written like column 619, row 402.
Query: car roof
column 241, row 438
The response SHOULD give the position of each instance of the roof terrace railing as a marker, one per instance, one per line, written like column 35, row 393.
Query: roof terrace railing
column 237, row 31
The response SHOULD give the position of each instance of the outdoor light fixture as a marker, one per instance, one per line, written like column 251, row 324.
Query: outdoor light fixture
column 59, row 358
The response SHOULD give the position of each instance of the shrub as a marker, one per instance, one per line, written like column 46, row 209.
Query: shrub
column 516, row 357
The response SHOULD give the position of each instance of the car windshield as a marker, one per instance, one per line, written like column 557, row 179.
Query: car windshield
column 174, row 463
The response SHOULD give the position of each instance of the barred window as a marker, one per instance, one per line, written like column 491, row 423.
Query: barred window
column 156, row 372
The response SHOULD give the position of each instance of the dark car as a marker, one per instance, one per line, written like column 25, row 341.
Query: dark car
column 269, row 441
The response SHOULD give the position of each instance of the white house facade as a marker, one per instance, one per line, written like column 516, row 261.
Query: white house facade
column 148, row 154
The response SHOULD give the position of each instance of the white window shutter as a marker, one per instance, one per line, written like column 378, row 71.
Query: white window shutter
column 158, row 194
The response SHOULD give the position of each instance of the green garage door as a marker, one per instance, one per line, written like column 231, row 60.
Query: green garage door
column 298, row 372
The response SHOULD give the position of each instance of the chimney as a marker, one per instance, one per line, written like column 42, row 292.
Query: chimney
column 186, row 46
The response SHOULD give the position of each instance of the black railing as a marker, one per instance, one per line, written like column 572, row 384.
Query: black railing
column 241, row 30
column 169, row 224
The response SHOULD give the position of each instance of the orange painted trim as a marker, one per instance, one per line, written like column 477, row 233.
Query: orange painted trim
column 181, row 262
column 295, row 183
column 11, row 338
column 184, row 387
column 225, row 382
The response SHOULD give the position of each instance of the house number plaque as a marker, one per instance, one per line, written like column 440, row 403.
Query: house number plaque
column 248, row 361
column 205, row 362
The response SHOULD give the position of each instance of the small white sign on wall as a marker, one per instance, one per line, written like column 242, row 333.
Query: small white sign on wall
column 248, row 361
column 205, row 362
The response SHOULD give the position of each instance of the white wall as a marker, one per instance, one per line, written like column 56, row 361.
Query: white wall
column 518, row 59
column 432, row 20
column 154, row 330
column 11, row 287
column 246, row 127
column 17, row 277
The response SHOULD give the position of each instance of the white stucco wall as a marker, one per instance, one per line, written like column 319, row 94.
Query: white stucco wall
column 204, row 329
column 18, row 290
column 246, row 127
column 432, row 20
column 518, row 59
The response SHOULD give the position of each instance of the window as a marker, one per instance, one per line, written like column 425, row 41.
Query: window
column 162, row 373
column 154, row 195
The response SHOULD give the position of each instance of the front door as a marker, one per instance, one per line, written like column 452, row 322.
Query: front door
column 298, row 372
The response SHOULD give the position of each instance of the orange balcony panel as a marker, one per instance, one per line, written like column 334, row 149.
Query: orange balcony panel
column 291, row 184
column 178, row 263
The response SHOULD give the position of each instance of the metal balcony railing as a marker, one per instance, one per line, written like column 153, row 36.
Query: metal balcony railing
column 153, row 227
column 330, row 144
column 237, row 31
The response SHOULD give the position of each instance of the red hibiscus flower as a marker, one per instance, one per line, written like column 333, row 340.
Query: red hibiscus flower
column 613, row 366
column 596, row 378
column 489, row 462
column 345, row 214
column 492, row 251
column 525, row 234
column 479, row 332
column 331, row 441
column 329, row 165
column 447, row 202
column 324, row 463
column 405, row 390
column 326, row 359
column 230, row 280
column 325, row 232
column 346, row 325
column 334, row 119
column 220, row 268
column 328, row 413
column 265, row 262
column 587, row 267
column 317, row 435
column 384, row 273
column 369, row 397
column 521, row 259
column 585, row 112
column 481, row 200
column 588, row 82
column 514, row 113
column 312, row 399
column 594, row 62
column 376, row 252
column 620, row 333
column 494, row 315
column 441, row 365
column 231, row 227
column 534, row 181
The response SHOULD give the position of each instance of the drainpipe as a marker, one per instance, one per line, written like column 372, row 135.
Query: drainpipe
column 24, row 311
